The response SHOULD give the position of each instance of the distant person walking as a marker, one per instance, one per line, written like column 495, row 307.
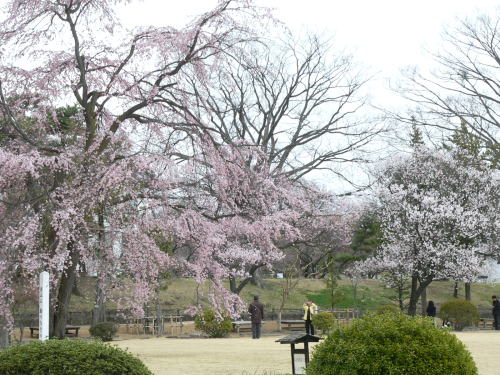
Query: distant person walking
column 309, row 310
column 256, row 310
column 431, row 309
column 496, row 312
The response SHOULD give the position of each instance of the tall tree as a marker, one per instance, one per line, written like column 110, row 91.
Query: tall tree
column 464, row 92
column 439, row 220
column 56, row 180
column 299, row 104
column 299, row 101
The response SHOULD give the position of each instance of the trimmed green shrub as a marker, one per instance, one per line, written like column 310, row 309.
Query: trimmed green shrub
column 388, row 309
column 104, row 331
column 213, row 326
column 460, row 313
column 65, row 357
column 324, row 321
column 395, row 344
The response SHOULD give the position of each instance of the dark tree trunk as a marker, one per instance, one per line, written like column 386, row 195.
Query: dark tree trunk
column 233, row 284
column 423, row 301
column 64, row 295
column 99, row 315
column 100, row 294
column 417, row 288
column 401, row 295
column 468, row 292
column 412, row 305
column 51, row 314
column 4, row 334
column 159, row 325
column 237, row 288
column 455, row 290
column 256, row 279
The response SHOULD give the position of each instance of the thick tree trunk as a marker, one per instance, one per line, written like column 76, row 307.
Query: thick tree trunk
column 256, row 279
column 4, row 334
column 468, row 292
column 401, row 295
column 412, row 305
column 423, row 301
column 100, row 294
column 100, row 306
column 64, row 295
column 51, row 314
column 237, row 288
column 416, row 291
column 279, row 320
column 159, row 320
column 21, row 326
column 232, row 284
column 455, row 290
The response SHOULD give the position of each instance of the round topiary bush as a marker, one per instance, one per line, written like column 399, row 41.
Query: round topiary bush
column 395, row 344
column 324, row 321
column 460, row 313
column 388, row 309
column 65, row 357
column 209, row 323
column 104, row 331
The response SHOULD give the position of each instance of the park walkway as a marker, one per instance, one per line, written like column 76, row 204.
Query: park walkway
column 244, row 356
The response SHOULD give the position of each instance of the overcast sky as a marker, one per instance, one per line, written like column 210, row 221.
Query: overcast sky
column 384, row 35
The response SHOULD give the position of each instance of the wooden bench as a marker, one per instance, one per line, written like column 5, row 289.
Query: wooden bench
column 67, row 331
column 242, row 326
column 294, row 325
column 485, row 324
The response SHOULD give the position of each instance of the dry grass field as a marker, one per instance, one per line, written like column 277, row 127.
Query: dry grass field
column 244, row 356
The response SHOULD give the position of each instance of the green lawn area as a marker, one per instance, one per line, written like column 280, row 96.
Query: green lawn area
column 371, row 293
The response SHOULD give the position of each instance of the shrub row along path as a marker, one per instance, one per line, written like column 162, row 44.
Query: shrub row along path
column 244, row 356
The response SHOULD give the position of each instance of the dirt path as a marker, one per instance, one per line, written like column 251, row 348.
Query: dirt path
column 244, row 356
column 485, row 348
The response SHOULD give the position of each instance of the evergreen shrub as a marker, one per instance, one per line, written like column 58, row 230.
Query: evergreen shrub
column 460, row 313
column 104, row 331
column 396, row 344
column 385, row 309
column 213, row 325
column 324, row 321
column 65, row 357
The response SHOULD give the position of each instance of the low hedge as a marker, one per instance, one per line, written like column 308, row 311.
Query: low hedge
column 388, row 309
column 395, row 344
column 460, row 313
column 104, row 331
column 324, row 321
column 214, row 326
column 65, row 357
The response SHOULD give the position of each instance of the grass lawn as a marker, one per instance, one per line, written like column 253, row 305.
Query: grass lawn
column 244, row 356
column 181, row 293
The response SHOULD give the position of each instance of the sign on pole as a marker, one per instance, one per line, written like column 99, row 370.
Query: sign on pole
column 43, row 307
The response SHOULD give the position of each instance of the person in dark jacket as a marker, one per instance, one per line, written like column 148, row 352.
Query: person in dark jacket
column 496, row 312
column 431, row 309
column 256, row 310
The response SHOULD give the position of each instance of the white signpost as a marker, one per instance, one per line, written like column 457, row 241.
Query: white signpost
column 299, row 363
column 43, row 307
